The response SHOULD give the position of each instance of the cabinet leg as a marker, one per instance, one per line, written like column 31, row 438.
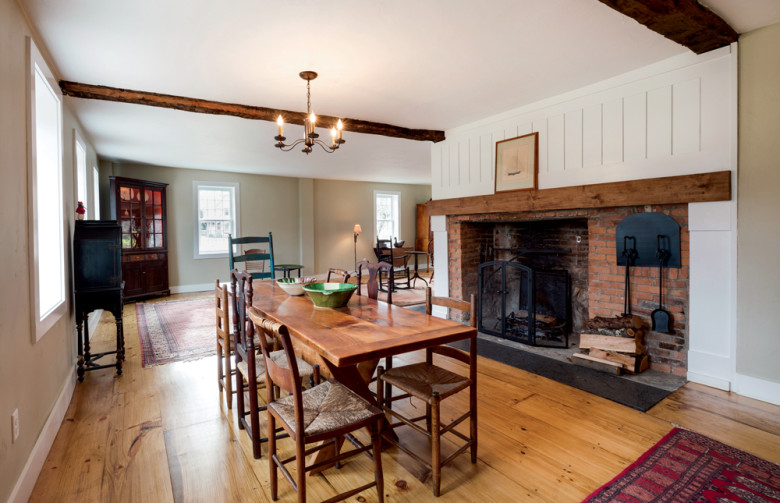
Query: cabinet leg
column 120, row 346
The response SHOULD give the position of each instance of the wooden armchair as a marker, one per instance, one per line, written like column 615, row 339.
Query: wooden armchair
column 342, row 275
column 385, row 252
column 254, row 259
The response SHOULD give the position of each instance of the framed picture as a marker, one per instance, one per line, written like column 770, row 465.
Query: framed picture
column 517, row 163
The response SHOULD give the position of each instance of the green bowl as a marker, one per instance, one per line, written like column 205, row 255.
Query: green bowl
column 330, row 294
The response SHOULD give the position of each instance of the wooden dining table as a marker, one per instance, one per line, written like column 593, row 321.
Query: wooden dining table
column 351, row 340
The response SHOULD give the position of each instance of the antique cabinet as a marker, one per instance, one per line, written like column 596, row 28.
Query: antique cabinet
column 97, row 284
column 139, row 207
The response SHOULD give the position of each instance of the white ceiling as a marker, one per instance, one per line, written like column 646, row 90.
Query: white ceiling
column 433, row 64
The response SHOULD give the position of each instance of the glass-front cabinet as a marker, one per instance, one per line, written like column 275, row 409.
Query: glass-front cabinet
column 139, row 207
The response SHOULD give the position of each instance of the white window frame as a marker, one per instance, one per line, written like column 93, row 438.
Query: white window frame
column 196, row 186
column 80, row 171
column 95, row 192
column 42, row 322
column 397, row 220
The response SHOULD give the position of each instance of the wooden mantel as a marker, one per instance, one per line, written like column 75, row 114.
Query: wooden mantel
column 699, row 188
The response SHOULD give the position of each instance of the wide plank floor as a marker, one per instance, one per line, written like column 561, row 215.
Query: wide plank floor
column 165, row 434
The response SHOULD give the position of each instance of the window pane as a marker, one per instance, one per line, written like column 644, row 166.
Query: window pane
column 95, row 193
column 215, row 218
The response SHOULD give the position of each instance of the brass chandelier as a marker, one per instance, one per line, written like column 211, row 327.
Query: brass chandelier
column 310, row 137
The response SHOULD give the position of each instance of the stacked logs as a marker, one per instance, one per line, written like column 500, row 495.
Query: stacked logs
column 614, row 345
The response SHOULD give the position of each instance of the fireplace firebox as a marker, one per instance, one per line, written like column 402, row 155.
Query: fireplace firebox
column 524, row 304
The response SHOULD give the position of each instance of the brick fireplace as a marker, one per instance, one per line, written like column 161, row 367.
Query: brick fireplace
column 582, row 241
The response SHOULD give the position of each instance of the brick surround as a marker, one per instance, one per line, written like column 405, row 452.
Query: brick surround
column 597, row 288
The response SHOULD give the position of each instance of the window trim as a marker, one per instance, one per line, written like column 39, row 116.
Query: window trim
column 78, row 141
column 95, row 192
column 42, row 325
column 398, row 223
column 196, row 185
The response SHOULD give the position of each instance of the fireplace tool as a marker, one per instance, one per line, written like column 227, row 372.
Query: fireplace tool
column 630, row 254
column 660, row 316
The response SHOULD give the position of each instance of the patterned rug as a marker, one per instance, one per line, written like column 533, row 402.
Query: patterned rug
column 175, row 331
column 686, row 466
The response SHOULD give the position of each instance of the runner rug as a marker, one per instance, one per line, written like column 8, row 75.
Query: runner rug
column 686, row 466
column 176, row 331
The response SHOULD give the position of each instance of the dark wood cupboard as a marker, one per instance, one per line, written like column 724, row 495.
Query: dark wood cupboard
column 139, row 207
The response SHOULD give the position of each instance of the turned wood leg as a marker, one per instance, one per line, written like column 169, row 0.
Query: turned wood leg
column 119, row 346
column 436, row 443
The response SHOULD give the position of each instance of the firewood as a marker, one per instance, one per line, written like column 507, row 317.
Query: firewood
column 609, row 343
column 633, row 364
column 597, row 363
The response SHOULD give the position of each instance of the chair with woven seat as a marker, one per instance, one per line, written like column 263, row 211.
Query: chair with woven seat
column 342, row 275
column 224, row 347
column 325, row 412
column 253, row 259
column 385, row 252
column 250, row 369
column 432, row 384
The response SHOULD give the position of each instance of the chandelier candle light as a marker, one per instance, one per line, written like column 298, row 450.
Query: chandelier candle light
column 310, row 137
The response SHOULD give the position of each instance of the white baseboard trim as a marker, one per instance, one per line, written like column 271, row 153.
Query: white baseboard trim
column 26, row 482
column 203, row 287
column 752, row 387
column 712, row 382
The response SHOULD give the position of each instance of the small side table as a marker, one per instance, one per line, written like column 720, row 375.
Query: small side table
column 287, row 268
column 416, row 274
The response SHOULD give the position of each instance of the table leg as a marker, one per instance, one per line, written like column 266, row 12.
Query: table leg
column 416, row 275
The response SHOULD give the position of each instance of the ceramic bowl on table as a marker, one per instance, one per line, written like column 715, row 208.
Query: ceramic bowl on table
column 294, row 286
column 330, row 294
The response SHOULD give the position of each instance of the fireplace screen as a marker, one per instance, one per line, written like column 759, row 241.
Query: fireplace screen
column 524, row 304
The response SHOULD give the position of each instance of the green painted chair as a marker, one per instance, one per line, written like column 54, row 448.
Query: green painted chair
column 264, row 251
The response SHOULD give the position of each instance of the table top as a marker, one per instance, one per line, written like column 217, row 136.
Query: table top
column 417, row 252
column 363, row 330
column 288, row 266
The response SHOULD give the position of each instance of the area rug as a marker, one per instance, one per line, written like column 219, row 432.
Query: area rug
column 175, row 331
column 688, row 467
column 623, row 391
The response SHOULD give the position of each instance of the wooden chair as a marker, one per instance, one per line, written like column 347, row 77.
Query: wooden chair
column 432, row 384
column 385, row 252
column 251, row 259
column 341, row 273
column 224, row 351
column 324, row 412
column 250, row 371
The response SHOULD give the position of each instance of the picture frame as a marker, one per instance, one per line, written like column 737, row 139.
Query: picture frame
column 517, row 163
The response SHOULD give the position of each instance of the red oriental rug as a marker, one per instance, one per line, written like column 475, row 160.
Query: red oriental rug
column 688, row 467
column 175, row 331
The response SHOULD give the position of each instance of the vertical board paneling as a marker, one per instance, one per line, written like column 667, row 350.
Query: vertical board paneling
column 613, row 131
column 445, row 166
column 475, row 173
column 573, row 140
column 686, row 115
column 486, row 162
column 591, row 136
column 659, row 122
column 635, row 127
column 556, row 144
column 454, row 167
column 540, row 127
column 436, row 176
column 464, row 162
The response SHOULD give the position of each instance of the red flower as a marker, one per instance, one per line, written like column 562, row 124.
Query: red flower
column 80, row 209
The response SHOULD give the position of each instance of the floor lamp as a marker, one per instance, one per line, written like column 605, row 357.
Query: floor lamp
column 356, row 231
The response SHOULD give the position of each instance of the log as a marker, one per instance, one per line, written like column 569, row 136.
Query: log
column 633, row 364
column 609, row 343
column 597, row 363
column 630, row 321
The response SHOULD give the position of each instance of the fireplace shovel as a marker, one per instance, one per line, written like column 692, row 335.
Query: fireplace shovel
column 630, row 254
column 661, row 316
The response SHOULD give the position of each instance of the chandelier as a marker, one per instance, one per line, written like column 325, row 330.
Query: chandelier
column 310, row 137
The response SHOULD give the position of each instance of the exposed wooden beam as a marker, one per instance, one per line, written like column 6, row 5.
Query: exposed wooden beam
column 105, row 93
column 686, row 22
column 705, row 187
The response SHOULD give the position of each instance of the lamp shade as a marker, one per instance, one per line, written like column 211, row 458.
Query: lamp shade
column 357, row 229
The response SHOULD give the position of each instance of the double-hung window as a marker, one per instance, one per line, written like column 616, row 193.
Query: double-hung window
column 45, row 196
column 387, row 214
column 216, row 217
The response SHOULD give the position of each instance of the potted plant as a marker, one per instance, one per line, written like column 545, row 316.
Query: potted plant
column 81, row 210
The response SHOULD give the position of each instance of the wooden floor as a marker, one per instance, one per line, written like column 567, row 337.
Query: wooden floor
column 165, row 434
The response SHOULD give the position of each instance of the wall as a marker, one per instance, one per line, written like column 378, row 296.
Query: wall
column 758, row 293
column 35, row 378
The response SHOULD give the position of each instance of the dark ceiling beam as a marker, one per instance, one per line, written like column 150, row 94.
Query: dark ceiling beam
column 686, row 22
column 105, row 93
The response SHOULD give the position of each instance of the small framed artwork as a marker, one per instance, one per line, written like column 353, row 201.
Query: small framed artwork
column 517, row 163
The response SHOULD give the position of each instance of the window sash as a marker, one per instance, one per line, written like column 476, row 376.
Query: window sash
column 216, row 216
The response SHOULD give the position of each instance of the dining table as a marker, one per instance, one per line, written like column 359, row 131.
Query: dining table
column 352, row 339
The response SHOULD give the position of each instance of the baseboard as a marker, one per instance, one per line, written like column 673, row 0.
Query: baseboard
column 203, row 287
column 752, row 387
column 712, row 382
column 26, row 482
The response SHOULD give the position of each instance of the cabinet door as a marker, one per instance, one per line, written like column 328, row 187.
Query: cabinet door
column 132, row 274
column 156, row 275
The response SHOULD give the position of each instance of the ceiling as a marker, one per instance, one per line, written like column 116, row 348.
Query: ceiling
column 435, row 64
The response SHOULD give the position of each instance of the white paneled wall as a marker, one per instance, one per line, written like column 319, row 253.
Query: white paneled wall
column 671, row 118
column 676, row 117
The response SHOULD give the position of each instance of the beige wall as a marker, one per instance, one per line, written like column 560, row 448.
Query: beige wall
column 32, row 375
column 339, row 205
column 267, row 204
column 758, row 199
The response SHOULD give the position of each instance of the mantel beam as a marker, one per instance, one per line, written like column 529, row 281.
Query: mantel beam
column 686, row 22
column 705, row 187
column 105, row 93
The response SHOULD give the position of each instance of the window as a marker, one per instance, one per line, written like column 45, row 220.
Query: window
column 47, row 224
column 95, row 193
column 387, row 214
column 216, row 216
column 80, row 162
